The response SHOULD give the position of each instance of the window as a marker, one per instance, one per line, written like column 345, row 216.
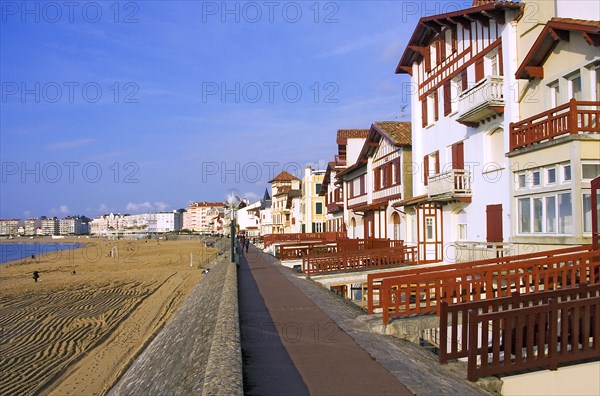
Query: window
column 564, row 213
column 596, row 85
column 566, row 173
column 587, row 213
column 524, row 215
column 590, row 171
column 429, row 229
column 551, row 214
column 575, row 87
column 522, row 180
column 495, row 70
column 318, row 188
column 319, row 208
column 538, row 213
column 462, row 226
column 535, row 177
column 554, row 94
column 496, row 149
column 551, row 175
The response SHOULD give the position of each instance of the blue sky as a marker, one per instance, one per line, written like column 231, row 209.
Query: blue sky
column 139, row 106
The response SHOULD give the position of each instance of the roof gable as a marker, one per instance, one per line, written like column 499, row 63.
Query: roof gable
column 555, row 31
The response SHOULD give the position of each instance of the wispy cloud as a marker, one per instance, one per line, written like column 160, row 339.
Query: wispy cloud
column 147, row 206
column 62, row 210
column 69, row 144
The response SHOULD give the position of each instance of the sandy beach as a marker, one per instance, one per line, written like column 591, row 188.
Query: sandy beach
column 93, row 309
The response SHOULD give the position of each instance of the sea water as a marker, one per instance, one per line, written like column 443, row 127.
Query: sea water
column 16, row 251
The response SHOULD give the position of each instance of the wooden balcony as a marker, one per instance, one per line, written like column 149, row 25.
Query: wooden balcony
column 455, row 184
column 571, row 118
column 484, row 100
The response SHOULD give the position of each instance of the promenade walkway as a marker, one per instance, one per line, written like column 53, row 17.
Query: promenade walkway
column 298, row 338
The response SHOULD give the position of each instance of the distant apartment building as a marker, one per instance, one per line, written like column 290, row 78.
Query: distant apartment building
column 9, row 227
column 75, row 225
column 169, row 221
column 31, row 226
column 199, row 216
column 312, row 206
column 49, row 226
column 108, row 223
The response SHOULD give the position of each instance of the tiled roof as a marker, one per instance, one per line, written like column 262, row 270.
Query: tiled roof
column 583, row 22
column 283, row 177
column 344, row 134
column 398, row 132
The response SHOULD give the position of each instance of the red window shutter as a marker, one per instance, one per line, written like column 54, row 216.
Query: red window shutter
column 454, row 39
column 447, row 98
column 428, row 59
column 389, row 181
column 397, row 170
column 478, row 70
column 424, row 111
column 443, row 46
column 458, row 156
column 436, row 114
column 425, row 169
column 494, row 223
column 437, row 162
column 463, row 80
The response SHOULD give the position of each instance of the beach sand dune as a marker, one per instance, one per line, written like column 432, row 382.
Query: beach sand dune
column 77, row 329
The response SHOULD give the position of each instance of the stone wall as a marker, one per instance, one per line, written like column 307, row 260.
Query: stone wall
column 198, row 351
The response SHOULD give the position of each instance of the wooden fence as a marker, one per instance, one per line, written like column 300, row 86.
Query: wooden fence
column 374, row 280
column 357, row 260
column 269, row 239
column 422, row 293
column 540, row 336
column 455, row 324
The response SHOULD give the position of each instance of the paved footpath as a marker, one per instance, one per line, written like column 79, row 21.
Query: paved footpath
column 299, row 338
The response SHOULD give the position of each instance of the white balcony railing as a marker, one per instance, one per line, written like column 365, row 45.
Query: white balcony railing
column 387, row 192
column 362, row 199
column 483, row 100
column 456, row 182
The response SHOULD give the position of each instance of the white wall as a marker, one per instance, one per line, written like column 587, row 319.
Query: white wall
column 581, row 379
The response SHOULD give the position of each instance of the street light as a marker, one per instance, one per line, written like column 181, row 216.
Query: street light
column 232, row 201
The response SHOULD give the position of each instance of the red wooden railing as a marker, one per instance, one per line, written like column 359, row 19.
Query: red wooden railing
column 422, row 293
column 300, row 249
column 374, row 280
column 269, row 239
column 295, row 252
column 357, row 260
column 541, row 336
column 570, row 118
column 454, row 318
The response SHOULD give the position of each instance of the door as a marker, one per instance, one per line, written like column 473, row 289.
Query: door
column 494, row 223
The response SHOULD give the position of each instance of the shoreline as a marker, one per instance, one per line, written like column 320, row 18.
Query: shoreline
column 91, row 312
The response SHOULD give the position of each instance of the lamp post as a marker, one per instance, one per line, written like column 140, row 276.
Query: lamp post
column 232, row 201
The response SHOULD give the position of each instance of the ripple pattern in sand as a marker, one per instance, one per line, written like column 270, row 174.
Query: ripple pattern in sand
column 41, row 334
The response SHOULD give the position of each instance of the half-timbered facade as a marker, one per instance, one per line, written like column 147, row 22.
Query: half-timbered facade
column 381, row 176
column 462, row 69
column 350, row 143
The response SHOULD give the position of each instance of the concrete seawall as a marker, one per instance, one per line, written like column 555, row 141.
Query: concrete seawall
column 198, row 351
